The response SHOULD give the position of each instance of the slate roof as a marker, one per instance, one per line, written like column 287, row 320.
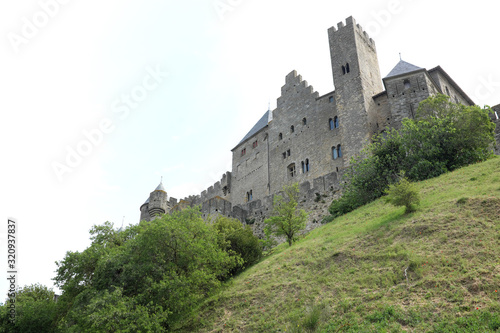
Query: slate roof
column 403, row 67
column 257, row 127
column 160, row 188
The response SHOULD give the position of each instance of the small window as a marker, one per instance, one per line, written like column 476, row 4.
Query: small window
column 330, row 99
column 291, row 170
column 284, row 155
column 292, row 129
column 336, row 122
column 304, row 121
column 288, row 152
column 307, row 165
column 447, row 91
column 243, row 151
column 334, row 153
column 343, row 70
column 249, row 196
column 303, row 167
column 407, row 84
column 347, row 69
column 331, row 124
column 280, row 136
column 339, row 151
column 255, row 144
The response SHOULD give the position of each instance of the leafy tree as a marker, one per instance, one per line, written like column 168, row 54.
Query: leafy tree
column 35, row 311
column 287, row 219
column 404, row 194
column 238, row 240
column 144, row 278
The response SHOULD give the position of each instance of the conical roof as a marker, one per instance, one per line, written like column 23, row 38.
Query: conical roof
column 403, row 67
column 160, row 188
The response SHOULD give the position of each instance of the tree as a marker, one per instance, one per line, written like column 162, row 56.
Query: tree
column 35, row 311
column 287, row 220
column 144, row 278
column 238, row 240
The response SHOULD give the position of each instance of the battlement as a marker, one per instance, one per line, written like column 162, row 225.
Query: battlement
column 351, row 23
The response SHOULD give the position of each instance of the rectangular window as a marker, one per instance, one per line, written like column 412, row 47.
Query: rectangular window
column 288, row 152
column 291, row 170
column 284, row 155
column 255, row 144
column 244, row 151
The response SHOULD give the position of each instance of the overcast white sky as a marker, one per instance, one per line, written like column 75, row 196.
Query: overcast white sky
column 70, row 74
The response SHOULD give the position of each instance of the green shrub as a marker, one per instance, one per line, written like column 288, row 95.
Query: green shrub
column 404, row 194
column 238, row 239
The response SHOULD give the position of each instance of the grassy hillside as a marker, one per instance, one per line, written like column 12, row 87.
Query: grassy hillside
column 349, row 275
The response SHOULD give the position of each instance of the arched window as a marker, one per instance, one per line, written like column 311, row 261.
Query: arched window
column 303, row 167
column 331, row 124
column 347, row 70
column 343, row 70
column 292, row 129
column 334, row 153
column 407, row 84
column 280, row 136
column 249, row 195
column 307, row 165
column 336, row 122
column 339, row 151
column 304, row 121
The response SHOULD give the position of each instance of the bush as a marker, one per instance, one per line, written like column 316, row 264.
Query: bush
column 404, row 194
column 239, row 240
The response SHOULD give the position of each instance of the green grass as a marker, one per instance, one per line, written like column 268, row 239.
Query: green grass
column 349, row 275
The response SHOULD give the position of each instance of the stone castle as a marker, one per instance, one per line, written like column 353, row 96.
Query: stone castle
column 309, row 139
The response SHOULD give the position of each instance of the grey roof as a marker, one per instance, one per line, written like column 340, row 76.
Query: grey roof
column 147, row 201
column 160, row 188
column 257, row 127
column 403, row 67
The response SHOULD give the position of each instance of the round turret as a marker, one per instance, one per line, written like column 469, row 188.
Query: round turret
column 158, row 203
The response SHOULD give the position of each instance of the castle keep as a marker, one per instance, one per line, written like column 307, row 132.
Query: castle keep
column 310, row 138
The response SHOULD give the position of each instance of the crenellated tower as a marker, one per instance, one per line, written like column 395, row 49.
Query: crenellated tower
column 357, row 79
